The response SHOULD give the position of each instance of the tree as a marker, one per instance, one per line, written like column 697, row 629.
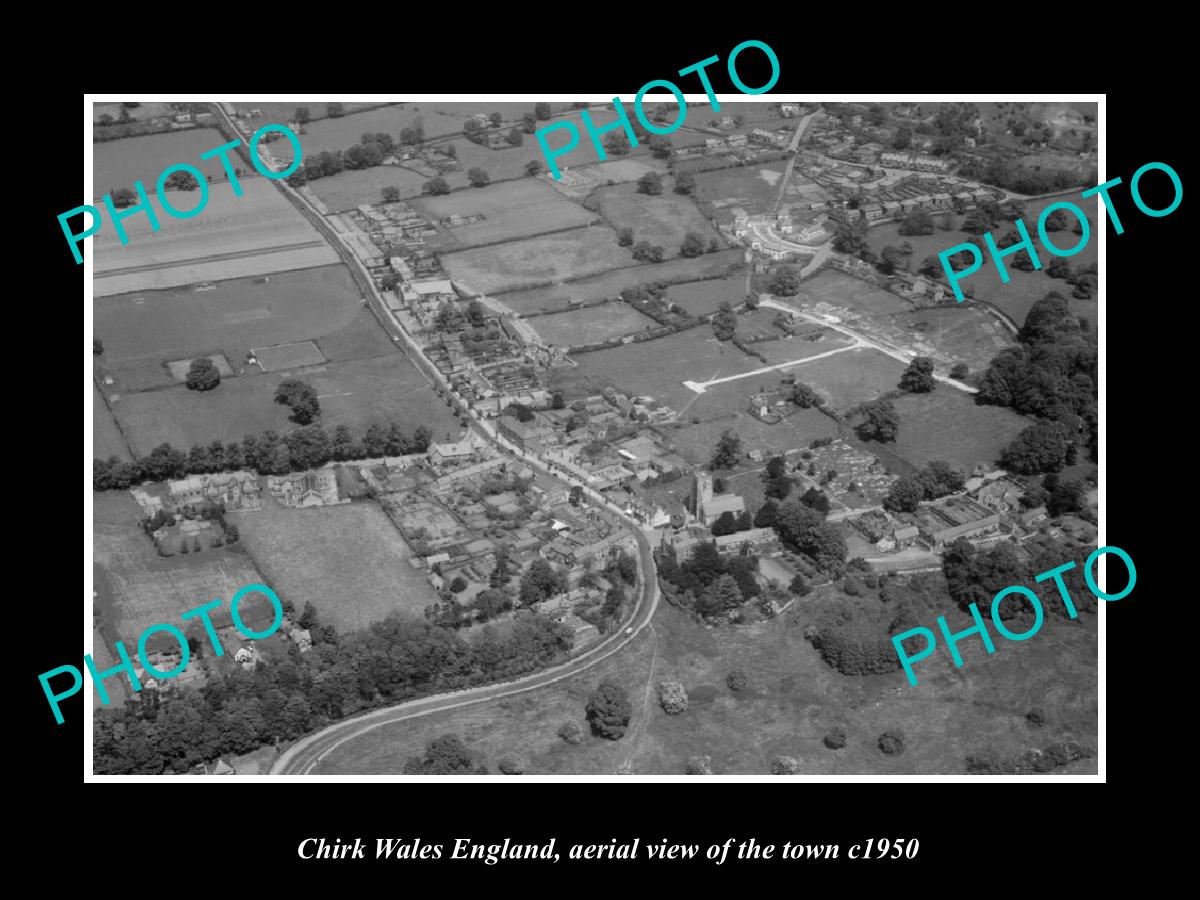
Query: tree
column 765, row 517
column 609, row 710
column 308, row 617
column 515, row 137
column 785, row 281
column 977, row 221
column 960, row 371
column 494, row 118
column 390, row 194
column 650, row 183
column 799, row 585
column 458, row 585
column 918, row 377
column 97, row 347
column 1059, row 220
column 815, row 499
column 938, row 478
column 851, row 237
column 725, row 524
column 1042, row 447
column 644, row 251
column 540, row 582
column 918, row 221
column 446, row 755
column 478, row 177
column 1059, row 268
column 660, row 147
column 435, row 186
column 880, row 421
column 542, row 110
column 300, row 397
column 123, row 197
column 617, row 143
column 903, row 139
column 335, row 110
column 685, row 183
column 571, row 732
column 804, row 396
column 533, row 167
column 905, row 495
column 181, row 181
column 727, row 452
column 692, row 246
column 1067, row 497
column 722, row 596
column 301, row 116
column 672, row 697
column 625, row 236
column 203, row 375
column 724, row 323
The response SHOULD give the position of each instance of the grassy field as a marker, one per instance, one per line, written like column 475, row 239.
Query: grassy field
column 786, row 349
column 501, row 267
column 609, row 285
column 284, row 111
column 142, row 331
column 118, row 164
column 255, row 234
column 954, row 334
column 725, row 407
column 948, row 424
column 106, row 436
column 511, row 209
column 851, row 378
column 349, row 189
column 342, row 133
column 588, row 326
column 753, row 187
column 141, row 113
column 354, row 580
column 1024, row 288
column 657, row 368
column 140, row 588
column 662, row 219
column 848, row 292
column 703, row 297
column 352, row 392
column 792, row 701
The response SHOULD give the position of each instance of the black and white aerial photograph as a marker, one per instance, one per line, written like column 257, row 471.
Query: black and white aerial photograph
column 507, row 437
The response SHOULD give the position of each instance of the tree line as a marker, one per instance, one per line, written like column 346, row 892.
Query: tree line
column 267, row 454
column 238, row 711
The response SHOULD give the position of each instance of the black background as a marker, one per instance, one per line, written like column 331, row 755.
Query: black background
column 969, row 827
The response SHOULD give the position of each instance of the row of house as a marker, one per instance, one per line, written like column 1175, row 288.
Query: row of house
column 915, row 162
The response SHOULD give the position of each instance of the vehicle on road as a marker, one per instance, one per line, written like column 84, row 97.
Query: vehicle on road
column 629, row 630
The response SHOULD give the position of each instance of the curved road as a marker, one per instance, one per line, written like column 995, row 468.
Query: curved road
column 306, row 753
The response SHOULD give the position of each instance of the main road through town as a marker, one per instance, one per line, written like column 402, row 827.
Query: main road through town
column 303, row 756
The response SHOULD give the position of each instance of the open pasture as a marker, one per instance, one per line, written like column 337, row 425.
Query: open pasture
column 359, row 578
column 658, row 368
column 703, row 297
column 598, row 287
column 141, row 331
column 588, row 326
column 118, row 164
column 540, row 260
column 1024, row 288
column 661, row 219
column 255, row 234
column 511, row 209
column 140, row 588
column 948, row 424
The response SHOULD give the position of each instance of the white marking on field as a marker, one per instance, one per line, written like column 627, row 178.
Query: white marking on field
column 700, row 387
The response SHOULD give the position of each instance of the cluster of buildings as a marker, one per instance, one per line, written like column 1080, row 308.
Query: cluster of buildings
column 915, row 161
column 780, row 236
column 301, row 490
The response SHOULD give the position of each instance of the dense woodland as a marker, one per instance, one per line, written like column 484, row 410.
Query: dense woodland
column 239, row 711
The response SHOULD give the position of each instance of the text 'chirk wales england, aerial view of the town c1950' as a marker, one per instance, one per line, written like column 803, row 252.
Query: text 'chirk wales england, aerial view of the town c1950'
column 421, row 460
